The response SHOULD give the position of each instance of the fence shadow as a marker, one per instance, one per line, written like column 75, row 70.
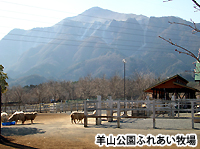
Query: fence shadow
column 113, row 124
column 22, row 131
column 7, row 142
column 145, row 124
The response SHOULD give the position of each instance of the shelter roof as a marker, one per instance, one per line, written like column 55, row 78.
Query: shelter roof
column 175, row 82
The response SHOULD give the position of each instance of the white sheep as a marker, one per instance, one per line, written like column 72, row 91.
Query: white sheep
column 18, row 115
column 4, row 117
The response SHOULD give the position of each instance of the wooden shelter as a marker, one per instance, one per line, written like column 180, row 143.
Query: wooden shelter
column 175, row 85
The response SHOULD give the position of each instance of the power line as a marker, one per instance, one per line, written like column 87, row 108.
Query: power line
column 111, row 48
column 92, row 28
column 105, row 47
column 107, row 19
column 87, row 41
column 102, row 24
column 132, row 34
column 103, row 30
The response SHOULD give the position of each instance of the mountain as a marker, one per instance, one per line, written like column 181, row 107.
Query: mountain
column 28, row 80
column 95, row 42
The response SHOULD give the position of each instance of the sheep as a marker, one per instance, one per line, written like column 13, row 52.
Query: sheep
column 30, row 116
column 17, row 116
column 77, row 116
column 4, row 117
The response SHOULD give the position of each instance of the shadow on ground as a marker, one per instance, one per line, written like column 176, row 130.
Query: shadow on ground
column 140, row 123
column 7, row 142
column 22, row 131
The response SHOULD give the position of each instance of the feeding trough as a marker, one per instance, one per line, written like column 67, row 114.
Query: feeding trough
column 8, row 123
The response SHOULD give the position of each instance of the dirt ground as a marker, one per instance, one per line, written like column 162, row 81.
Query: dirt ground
column 54, row 130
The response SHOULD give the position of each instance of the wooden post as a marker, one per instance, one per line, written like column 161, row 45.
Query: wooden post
column 192, row 112
column 132, row 107
column 178, row 107
column 77, row 107
column 96, row 113
column 71, row 107
column 99, row 111
column 173, row 105
column 148, row 106
column 110, row 113
column 125, row 106
column 61, row 107
column 118, row 114
column 65, row 107
column 170, row 109
column 154, row 113
column 85, row 113
column 40, row 108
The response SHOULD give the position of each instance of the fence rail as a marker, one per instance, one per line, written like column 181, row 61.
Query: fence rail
column 44, row 108
column 117, row 109
column 153, row 109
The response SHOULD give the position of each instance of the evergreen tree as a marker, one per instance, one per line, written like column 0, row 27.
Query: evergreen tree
column 3, row 77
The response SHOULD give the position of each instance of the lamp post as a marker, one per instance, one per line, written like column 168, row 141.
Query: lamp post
column 125, row 103
column 124, row 61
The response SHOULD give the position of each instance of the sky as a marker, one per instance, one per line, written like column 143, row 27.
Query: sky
column 27, row 14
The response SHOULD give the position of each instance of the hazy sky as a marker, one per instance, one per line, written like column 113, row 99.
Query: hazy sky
column 27, row 14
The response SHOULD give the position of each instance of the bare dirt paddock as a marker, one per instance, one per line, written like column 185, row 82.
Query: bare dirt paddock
column 51, row 131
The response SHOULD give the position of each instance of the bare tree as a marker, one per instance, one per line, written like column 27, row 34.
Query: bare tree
column 66, row 90
column 39, row 92
column 19, row 93
column 7, row 97
column 140, row 81
column 194, row 30
column 101, row 87
column 54, row 89
column 116, row 87
column 84, row 87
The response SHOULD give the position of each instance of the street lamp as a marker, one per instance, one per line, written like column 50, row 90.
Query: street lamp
column 124, row 61
column 125, row 103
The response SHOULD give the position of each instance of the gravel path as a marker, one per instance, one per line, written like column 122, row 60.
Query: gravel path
column 56, row 131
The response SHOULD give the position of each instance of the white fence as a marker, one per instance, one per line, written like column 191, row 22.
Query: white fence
column 140, row 109
column 44, row 108
column 117, row 109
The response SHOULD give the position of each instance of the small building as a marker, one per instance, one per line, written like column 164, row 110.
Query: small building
column 175, row 85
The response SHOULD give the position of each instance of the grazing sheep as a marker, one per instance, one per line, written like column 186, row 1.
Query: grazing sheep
column 17, row 116
column 30, row 116
column 77, row 116
column 4, row 117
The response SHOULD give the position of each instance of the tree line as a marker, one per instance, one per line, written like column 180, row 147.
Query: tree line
column 85, row 88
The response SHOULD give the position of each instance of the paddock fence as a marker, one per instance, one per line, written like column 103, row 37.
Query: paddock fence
column 117, row 109
column 44, row 108
column 154, row 109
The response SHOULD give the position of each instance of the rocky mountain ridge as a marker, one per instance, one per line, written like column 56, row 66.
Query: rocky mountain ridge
column 95, row 42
